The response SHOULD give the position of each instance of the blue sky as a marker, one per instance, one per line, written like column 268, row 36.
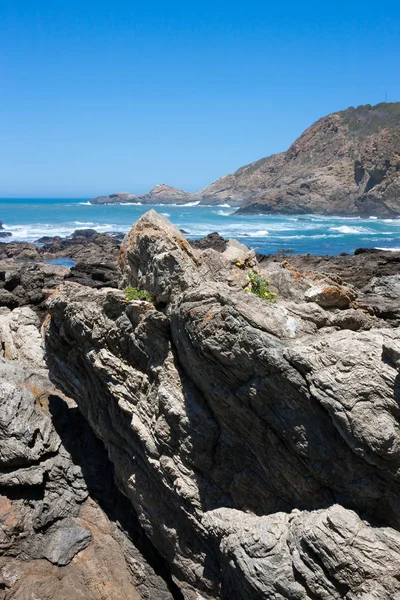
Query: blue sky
column 98, row 97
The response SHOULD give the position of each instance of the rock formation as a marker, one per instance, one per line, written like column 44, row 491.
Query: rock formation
column 347, row 163
column 59, row 507
column 257, row 442
column 165, row 194
column 160, row 194
column 118, row 198
column 27, row 279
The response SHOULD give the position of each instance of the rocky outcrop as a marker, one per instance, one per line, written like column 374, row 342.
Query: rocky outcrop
column 374, row 273
column 258, row 442
column 347, row 163
column 165, row 194
column 160, row 194
column 29, row 272
column 118, row 198
column 344, row 164
column 56, row 540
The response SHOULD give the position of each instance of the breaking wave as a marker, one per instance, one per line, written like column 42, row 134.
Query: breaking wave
column 350, row 229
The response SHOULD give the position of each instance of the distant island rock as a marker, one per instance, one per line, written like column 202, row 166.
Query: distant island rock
column 118, row 198
column 345, row 164
column 160, row 194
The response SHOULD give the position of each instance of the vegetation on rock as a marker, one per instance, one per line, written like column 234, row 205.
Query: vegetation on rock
column 135, row 294
column 260, row 287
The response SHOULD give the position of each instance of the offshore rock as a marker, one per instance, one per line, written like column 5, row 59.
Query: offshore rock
column 118, row 198
column 258, row 442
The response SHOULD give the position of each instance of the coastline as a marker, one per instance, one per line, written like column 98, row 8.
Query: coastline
column 30, row 220
column 206, row 400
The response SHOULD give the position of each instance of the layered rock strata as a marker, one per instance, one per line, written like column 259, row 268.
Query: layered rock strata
column 59, row 507
column 257, row 442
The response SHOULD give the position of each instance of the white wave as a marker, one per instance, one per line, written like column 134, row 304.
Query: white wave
column 223, row 213
column 259, row 233
column 224, row 205
column 30, row 233
column 374, row 218
column 86, row 203
column 84, row 223
column 330, row 217
column 166, row 214
column 192, row 203
column 389, row 249
column 130, row 204
column 349, row 229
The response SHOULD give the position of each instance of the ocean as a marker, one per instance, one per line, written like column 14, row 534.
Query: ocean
column 30, row 219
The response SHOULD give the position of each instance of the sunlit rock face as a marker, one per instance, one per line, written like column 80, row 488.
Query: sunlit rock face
column 257, row 441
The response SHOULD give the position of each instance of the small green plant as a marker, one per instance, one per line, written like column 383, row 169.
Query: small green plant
column 260, row 287
column 135, row 294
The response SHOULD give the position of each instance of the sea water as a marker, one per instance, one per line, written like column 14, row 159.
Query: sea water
column 30, row 219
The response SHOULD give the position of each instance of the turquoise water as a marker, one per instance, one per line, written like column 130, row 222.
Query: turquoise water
column 29, row 219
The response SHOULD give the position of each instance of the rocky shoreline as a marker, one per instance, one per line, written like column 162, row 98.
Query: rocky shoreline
column 208, row 444
column 345, row 164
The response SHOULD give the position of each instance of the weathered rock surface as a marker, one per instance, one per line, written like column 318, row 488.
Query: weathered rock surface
column 26, row 279
column 259, row 443
column 305, row 555
column 156, row 256
column 55, row 540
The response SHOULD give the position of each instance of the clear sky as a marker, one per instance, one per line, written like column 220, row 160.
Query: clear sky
column 98, row 97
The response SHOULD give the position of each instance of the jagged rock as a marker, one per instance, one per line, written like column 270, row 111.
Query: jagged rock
column 101, row 571
column 26, row 434
column 27, row 284
column 305, row 555
column 20, row 337
column 44, row 487
column 156, row 256
column 213, row 240
column 344, row 164
column 236, row 425
column 355, row 269
column 383, row 295
column 160, row 194
column 165, row 194
column 206, row 435
column 329, row 295
column 8, row 299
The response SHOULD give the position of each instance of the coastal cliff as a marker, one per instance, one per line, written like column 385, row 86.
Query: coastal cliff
column 347, row 163
column 257, row 441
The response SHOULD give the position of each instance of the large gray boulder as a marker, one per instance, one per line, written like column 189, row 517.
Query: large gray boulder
column 221, row 404
column 258, row 442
